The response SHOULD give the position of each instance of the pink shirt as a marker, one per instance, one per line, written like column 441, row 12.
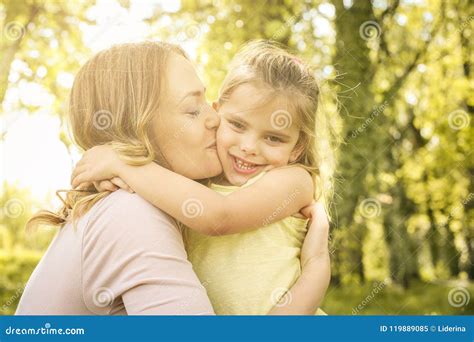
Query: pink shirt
column 125, row 257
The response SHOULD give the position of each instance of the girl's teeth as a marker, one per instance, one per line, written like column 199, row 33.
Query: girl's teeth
column 243, row 166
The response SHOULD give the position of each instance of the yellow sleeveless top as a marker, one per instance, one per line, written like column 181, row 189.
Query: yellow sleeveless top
column 247, row 273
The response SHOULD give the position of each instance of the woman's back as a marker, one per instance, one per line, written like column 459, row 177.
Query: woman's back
column 124, row 257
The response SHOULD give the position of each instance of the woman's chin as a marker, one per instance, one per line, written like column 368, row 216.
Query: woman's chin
column 216, row 170
column 214, row 166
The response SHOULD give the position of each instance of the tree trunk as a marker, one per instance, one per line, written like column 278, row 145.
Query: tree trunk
column 352, row 61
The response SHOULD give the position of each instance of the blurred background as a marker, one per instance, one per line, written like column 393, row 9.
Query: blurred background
column 398, row 72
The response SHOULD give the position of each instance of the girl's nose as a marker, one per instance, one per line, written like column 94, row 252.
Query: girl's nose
column 213, row 119
column 248, row 145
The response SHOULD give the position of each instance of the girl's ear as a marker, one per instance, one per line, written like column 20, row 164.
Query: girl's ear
column 296, row 153
column 215, row 105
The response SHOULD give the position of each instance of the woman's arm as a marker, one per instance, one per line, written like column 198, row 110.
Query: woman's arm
column 280, row 193
column 306, row 295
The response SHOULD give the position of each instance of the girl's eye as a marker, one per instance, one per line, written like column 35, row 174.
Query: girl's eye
column 273, row 139
column 236, row 124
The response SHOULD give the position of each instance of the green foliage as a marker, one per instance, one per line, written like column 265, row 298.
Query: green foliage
column 15, row 270
column 20, row 251
column 44, row 40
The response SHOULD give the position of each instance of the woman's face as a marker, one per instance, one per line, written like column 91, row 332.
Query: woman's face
column 185, row 128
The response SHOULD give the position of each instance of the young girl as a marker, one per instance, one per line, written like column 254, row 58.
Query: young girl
column 266, row 144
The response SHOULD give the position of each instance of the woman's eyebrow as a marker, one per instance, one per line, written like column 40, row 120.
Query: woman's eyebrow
column 234, row 116
column 193, row 93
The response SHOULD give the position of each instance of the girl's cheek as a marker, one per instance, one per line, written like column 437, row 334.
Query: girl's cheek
column 223, row 137
column 219, row 137
column 278, row 157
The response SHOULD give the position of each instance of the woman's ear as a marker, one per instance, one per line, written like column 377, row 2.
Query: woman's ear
column 215, row 105
column 296, row 153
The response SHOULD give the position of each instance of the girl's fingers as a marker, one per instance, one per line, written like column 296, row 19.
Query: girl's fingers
column 81, row 161
column 107, row 185
column 78, row 170
column 84, row 186
column 75, row 183
column 121, row 184
column 79, row 179
column 96, row 185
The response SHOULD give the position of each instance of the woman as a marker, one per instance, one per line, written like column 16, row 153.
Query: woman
column 116, row 253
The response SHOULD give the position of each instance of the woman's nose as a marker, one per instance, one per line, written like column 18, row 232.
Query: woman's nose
column 213, row 119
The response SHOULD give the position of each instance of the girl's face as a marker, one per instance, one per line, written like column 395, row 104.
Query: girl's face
column 185, row 128
column 254, row 135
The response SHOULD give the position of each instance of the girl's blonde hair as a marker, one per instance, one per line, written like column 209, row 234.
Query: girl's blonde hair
column 114, row 99
column 270, row 65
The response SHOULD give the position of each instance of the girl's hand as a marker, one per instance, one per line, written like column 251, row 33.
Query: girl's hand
column 97, row 164
column 315, row 245
column 308, row 291
column 112, row 185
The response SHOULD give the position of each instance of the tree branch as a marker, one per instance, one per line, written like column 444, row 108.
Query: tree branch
column 390, row 93
column 9, row 55
column 389, row 11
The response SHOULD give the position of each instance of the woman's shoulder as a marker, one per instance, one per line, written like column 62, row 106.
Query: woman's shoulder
column 123, row 203
column 123, row 211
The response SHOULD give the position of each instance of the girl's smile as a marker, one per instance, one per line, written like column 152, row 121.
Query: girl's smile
column 243, row 166
column 248, row 140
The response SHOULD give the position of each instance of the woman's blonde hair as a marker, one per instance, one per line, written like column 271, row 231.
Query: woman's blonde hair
column 114, row 99
column 268, row 64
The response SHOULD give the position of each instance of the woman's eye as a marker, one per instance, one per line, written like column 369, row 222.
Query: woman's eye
column 194, row 113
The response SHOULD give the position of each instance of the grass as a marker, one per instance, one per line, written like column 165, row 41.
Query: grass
column 419, row 299
column 368, row 299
